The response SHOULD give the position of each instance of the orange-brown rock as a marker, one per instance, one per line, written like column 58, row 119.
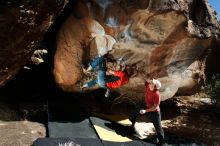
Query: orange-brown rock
column 159, row 39
column 22, row 26
column 78, row 41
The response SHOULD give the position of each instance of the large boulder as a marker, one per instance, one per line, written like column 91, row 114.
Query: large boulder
column 23, row 25
column 156, row 38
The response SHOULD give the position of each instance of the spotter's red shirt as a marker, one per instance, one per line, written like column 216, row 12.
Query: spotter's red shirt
column 152, row 97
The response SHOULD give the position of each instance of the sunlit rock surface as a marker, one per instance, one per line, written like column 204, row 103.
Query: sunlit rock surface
column 157, row 39
column 23, row 25
column 15, row 130
column 21, row 133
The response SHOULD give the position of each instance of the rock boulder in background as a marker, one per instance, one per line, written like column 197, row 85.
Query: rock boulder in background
column 23, row 25
column 156, row 38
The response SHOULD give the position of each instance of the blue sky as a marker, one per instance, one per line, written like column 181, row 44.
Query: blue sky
column 216, row 6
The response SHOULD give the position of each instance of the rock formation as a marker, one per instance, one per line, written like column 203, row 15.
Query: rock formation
column 165, row 39
column 23, row 25
column 156, row 38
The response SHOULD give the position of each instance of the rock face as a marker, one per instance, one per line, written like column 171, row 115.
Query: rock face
column 156, row 38
column 159, row 39
column 23, row 25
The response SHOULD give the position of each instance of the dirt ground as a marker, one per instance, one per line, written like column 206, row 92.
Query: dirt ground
column 199, row 119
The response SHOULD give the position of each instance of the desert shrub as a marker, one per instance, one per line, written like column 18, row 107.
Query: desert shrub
column 212, row 87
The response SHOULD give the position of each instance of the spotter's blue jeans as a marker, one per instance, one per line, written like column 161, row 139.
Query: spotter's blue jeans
column 155, row 118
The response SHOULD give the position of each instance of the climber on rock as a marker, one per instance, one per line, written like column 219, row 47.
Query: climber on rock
column 116, row 78
column 99, row 64
column 113, row 79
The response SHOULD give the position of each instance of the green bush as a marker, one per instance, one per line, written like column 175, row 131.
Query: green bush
column 212, row 87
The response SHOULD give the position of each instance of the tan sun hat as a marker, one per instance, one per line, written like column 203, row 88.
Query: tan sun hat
column 157, row 83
